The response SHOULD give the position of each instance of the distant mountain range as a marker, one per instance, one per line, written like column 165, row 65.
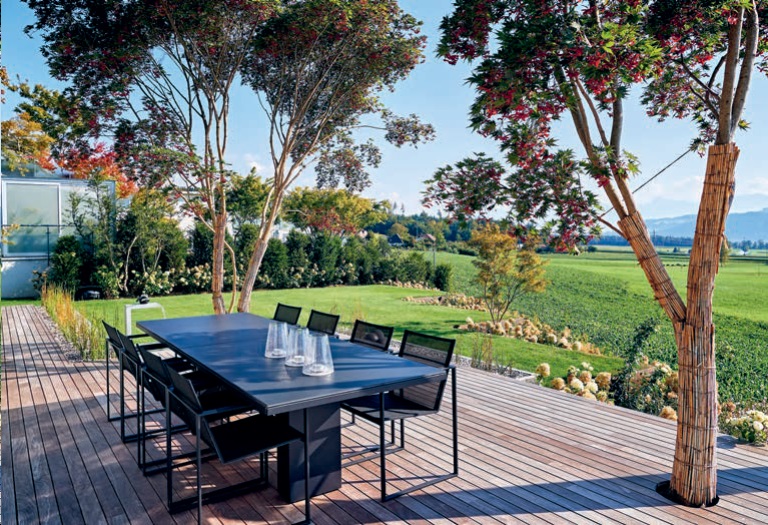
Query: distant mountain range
column 752, row 226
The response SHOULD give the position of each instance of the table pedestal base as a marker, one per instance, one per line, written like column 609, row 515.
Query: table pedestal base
column 324, row 454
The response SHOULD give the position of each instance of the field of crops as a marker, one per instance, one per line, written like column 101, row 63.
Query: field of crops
column 604, row 296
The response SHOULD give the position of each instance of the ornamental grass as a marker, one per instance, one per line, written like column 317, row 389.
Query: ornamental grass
column 84, row 333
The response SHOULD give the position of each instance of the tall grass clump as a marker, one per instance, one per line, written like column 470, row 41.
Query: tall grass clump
column 84, row 332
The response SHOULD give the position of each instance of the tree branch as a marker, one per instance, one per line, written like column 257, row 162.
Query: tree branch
column 724, row 135
column 745, row 75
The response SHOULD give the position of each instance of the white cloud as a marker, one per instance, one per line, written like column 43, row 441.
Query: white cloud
column 263, row 169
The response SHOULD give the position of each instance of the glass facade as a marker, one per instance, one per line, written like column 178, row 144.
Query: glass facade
column 41, row 210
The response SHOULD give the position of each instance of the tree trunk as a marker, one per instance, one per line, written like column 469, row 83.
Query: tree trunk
column 694, row 473
column 217, row 271
column 254, row 264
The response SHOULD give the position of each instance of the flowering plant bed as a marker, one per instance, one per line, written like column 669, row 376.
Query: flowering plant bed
column 519, row 326
column 751, row 427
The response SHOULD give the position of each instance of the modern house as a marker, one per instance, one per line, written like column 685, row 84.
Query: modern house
column 34, row 207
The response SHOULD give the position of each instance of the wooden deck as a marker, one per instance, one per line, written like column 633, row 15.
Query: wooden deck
column 529, row 455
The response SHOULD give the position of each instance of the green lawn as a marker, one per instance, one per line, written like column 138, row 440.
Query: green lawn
column 378, row 304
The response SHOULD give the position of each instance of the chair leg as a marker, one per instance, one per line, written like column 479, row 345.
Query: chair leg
column 437, row 479
column 140, row 424
column 122, row 402
column 169, row 455
column 106, row 352
column 382, row 448
column 307, row 496
column 199, row 468
column 455, row 415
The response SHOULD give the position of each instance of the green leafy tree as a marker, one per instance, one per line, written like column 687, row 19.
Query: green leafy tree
column 399, row 230
column 334, row 211
column 319, row 67
column 504, row 273
column 246, row 197
column 150, row 239
column 24, row 142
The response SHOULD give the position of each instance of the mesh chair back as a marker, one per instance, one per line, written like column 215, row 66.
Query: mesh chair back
column 113, row 338
column 322, row 322
column 428, row 350
column 129, row 359
column 187, row 403
column 157, row 380
column 287, row 314
column 372, row 335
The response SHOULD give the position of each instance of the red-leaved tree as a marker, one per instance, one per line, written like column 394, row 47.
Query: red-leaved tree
column 536, row 61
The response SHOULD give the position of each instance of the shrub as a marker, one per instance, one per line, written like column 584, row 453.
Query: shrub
column 579, row 381
column 66, row 262
column 201, row 245
column 108, row 281
column 326, row 255
column 752, row 427
column 195, row 279
column 359, row 260
column 442, row 276
column 298, row 245
column 201, row 251
column 157, row 282
column 246, row 240
column 388, row 269
column 414, row 268
column 274, row 266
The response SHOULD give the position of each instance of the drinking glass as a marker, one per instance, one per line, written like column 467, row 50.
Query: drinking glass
column 299, row 347
column 318, row 361
column 277, row 340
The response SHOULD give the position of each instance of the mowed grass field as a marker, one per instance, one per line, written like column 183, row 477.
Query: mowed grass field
column 376, row 304
column 604, row 296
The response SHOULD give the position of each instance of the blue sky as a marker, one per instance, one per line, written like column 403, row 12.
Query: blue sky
column 437, row 92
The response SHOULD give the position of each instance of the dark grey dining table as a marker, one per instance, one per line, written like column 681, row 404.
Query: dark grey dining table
column 232, row 348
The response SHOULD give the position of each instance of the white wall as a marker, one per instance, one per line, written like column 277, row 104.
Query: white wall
column 17, row 277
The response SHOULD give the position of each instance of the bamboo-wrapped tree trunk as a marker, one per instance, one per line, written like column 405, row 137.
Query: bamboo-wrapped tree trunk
column 694, row 473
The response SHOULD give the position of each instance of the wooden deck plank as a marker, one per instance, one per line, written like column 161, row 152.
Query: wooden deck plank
column 528, row 455
column 9, row 404
column 641, row 450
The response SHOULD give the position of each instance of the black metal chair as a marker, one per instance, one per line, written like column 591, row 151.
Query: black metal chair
column 153, row 377
column 415, row 401
column 287, row 314
column 130, row 362
column 372, row 335
column 231, row 439
column 322, row 322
